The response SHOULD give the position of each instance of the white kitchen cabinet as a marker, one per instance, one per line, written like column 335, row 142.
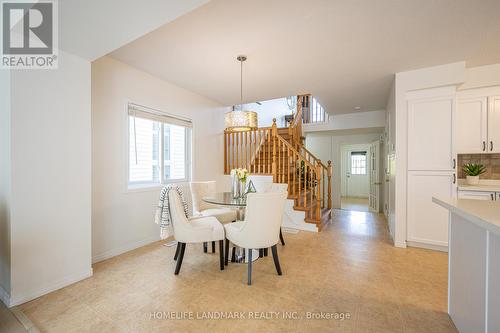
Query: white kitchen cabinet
column 477, row 125
column 471, row 124
column 430, row 134
column 494, row 124
column 427, row 223
column 476, row 195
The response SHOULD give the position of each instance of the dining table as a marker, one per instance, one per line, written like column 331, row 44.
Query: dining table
column 227, row 199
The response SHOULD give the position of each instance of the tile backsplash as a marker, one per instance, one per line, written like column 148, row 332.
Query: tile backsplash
column 490, row 161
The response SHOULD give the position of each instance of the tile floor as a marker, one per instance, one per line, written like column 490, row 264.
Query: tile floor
column 356, row 204
column 350, row 269
column 8, row 322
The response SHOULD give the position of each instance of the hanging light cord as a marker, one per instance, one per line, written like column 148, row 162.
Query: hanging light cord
column 241, row 85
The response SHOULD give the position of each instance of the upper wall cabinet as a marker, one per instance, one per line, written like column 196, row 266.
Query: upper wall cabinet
column 430, row 123
column 494, row 124
column 478, row 125
column 471, row 124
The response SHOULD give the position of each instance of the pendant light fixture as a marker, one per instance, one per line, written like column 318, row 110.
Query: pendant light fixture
column 242, row 120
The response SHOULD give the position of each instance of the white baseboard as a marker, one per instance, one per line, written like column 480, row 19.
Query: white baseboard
column 400, row 244
column 5, row 297
column 428, row 246
column 124, row 248
column 66, row 281
column 24, row 320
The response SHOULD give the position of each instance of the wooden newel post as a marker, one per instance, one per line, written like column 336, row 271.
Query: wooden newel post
column 274, row 132
column 318, row 190
column 329, row 184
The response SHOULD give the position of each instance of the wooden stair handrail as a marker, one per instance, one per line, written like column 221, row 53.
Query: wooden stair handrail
column 314, row 157
column 264, row 151
column 288, row 145
column 313, row 177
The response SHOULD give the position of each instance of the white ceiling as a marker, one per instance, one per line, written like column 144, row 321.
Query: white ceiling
column 93, row 28
column 344, row 52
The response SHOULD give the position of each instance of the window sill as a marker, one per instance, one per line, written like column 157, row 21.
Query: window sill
column 135, row 188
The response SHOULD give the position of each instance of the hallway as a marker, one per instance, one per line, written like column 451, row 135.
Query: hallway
column 354, row 204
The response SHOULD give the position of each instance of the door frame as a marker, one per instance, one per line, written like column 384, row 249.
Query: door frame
column 344, row 149
column 375, row 184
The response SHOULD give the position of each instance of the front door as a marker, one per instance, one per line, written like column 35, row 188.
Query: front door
column 357, row 176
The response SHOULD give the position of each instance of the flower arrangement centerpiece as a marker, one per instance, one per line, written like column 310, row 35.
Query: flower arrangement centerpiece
column 239, row 182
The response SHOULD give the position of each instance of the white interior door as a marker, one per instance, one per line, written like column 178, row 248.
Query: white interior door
column 375, row 183
column 357, row 172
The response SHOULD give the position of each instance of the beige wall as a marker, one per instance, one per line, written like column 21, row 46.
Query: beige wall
column 50, row 178
column 5, row 184
column 123, row 219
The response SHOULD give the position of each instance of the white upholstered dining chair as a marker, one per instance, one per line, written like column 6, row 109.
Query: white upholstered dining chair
column 195, row 230
column 277, row 187
column 202, row 208
column 260, row 229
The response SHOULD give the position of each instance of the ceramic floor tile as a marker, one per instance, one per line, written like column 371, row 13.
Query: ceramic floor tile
column 348, row 278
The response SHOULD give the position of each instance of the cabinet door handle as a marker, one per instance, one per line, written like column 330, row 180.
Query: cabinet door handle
column 484, row 145
column 492, row 196
column 491, row 145
column 454, row 178
column 454, row 164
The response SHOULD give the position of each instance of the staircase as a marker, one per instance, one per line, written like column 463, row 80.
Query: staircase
column 280, row 152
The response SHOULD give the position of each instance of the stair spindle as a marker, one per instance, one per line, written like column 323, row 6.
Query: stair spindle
column 318, row 189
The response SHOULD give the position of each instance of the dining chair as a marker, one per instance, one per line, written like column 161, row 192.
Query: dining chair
column 196, row 230
column 202, row 208
column 259, row 230
column 277, row 187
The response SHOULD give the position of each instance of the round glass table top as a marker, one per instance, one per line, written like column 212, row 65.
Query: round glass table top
column 225, row 199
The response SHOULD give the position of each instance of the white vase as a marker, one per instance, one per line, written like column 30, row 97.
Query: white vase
column 472, row 180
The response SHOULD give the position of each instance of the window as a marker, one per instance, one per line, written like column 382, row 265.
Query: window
column 159, row 147
column 358, row 163
column 317, row 111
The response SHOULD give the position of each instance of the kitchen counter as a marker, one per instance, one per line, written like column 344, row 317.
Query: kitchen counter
column 473, row 263
column 486, row 185
column 485, row 214
column 480, row 187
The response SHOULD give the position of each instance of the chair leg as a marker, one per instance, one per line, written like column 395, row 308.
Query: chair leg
column 177, row 250
column 227, row 251
column 274, row 249
column 249, row 267
column 261, row 253
column 265, row 252
column 179, row 259
column 205, row 247
column 221, row 254
column 213, row 247
column 281, row 238
column 233, row 255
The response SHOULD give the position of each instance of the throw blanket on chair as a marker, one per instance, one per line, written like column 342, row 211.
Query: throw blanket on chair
column 162, row 216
